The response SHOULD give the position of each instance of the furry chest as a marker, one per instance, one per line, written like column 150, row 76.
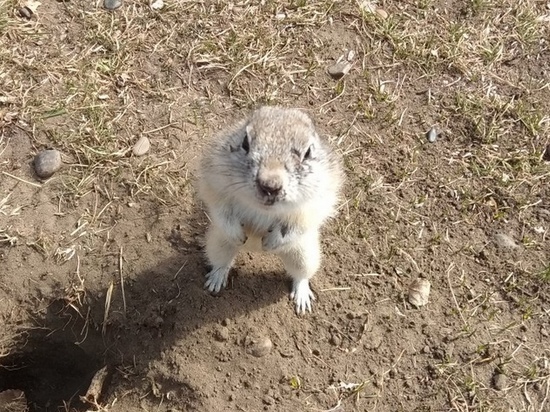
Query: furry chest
column 253, row 238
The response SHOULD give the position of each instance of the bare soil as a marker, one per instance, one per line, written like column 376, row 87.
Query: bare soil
column 102, row 264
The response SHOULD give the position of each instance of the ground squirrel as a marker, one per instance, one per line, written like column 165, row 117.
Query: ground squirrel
column 269, row 184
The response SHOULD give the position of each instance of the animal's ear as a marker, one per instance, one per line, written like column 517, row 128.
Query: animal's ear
column 242, row 141
column 250, row 131
column 245, row 145
column 309, row 153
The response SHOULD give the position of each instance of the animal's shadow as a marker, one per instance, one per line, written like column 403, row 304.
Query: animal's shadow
column 73, row 340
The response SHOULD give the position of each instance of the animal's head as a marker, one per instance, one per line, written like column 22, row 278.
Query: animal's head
column 282, row 158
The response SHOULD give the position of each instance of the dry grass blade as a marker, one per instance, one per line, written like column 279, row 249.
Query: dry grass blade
column 108, row 298
column 122, row 281
column 22, row 180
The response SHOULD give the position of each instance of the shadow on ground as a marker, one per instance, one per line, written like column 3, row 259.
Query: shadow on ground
column 56, row 360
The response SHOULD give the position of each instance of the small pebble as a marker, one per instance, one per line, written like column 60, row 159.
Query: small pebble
column 335, row 340
column 261, row 347
column 142, row 146
column 419, row 291
column 25, row 12
column 499, row 381
column 268, row 400
column 221, row 334
column 505, row 241
column 350, row 56
column 544, row 332
column 339, row 70
column 546, row 154
column 431, row 135
column 112, row 4
column 46, row 163
column 157, row 4
column 367, row 6
column 383, row 14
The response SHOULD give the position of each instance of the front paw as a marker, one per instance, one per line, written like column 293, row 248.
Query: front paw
column 236, row 234
column 302, row 296
column 274, row 239
column 216, row 279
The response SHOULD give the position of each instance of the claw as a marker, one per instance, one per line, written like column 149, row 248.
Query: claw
column 216, row 279
column 302, row 295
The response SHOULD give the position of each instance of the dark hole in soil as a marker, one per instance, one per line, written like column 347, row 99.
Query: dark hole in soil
column 50, row 372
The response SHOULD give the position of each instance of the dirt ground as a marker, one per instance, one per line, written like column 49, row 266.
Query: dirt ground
column 102, row 264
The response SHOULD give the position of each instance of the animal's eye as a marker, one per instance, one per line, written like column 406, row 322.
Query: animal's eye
column 246, row 144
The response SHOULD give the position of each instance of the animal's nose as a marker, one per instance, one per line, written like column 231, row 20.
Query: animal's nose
column 270, row 187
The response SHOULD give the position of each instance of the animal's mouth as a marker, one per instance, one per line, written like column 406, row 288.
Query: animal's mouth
column 269, row 200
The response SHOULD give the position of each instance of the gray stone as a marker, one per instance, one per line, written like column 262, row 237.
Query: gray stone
column 419, row 292
column 383, row 14
column 25, row 12
column 261, row 347
column 335, row 340
column 112, row 4
column 142, row 146
column 339, row 70
column 157, row 4
column 505, row 241
column 221, row 334
column 431, row 135
column 46, row 163
column 499, row 381
column 268, row 400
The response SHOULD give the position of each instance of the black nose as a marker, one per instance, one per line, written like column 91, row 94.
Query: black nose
column 269, row 188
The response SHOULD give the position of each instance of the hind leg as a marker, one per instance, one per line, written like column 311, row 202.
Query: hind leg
column 220, row 251
column 302, row 260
